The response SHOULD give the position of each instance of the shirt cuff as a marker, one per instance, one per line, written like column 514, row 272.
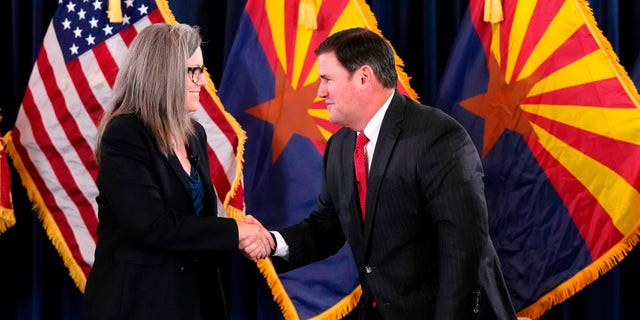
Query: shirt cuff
column 282, row 249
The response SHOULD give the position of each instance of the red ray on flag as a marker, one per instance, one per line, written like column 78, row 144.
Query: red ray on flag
column 289, row 46
column 270, row 84
column 556, row 121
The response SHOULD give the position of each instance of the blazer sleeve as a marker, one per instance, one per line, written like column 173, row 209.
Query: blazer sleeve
column 319, row 235
column 143, row 195
column 453, row 189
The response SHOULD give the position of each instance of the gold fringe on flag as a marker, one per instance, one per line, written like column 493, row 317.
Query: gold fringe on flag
column 165, row 11
column 583, row 278
column 307, row 14
column 44, row 215
column 7, row 218
column 493, row 11
column 348, row 303
column 278, row 291
column 338, row 311
column 232, row 212
column 115, row 11
column 372, row 24
column 618, row 252
column 307, row 18
column 343, row 307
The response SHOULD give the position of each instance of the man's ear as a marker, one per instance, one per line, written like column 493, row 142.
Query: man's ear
column 365, row 75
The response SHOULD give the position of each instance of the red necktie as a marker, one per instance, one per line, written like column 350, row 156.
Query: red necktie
column 360, row 163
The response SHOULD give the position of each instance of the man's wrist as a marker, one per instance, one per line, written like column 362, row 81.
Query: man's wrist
column 275, row 244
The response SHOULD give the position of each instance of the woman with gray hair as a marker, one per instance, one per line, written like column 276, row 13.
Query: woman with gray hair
column 160, row 241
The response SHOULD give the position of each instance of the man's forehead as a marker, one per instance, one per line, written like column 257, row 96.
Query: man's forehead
column 328, row 61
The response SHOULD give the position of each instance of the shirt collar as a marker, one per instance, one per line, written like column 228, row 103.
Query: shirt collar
column 372, row 129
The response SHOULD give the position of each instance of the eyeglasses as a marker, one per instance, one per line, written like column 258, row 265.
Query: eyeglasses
column 196, row 73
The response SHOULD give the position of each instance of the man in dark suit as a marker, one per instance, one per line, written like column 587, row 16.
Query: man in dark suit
column 420, row 236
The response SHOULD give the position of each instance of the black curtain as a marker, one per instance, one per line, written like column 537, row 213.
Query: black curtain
column 34, row 284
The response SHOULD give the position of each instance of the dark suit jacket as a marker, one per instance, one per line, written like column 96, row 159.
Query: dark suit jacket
column 155, row 259
column 424, row 251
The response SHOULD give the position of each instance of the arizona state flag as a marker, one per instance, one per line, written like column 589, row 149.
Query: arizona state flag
column 269, row 85
column 556, row 120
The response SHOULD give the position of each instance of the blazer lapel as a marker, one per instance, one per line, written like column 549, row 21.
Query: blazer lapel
column 175, row 165
column 198, row 154
column 194, row 153
column 350, row 177
column 389, row 133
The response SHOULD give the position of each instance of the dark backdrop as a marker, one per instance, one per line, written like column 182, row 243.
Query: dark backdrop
column 34, row 284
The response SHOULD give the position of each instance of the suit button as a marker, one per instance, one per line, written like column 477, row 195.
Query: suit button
column 476, row 305
column 368, row 269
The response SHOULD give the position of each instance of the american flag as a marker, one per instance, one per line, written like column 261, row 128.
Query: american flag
column 53, row 140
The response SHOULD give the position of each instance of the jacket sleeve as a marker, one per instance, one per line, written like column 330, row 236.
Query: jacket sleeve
column 319, row 235
column 454, row 195
column 143, row 197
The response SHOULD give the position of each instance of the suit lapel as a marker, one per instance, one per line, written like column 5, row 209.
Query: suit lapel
column 177, row 168
column 198, row 150
column 350, row 178
column 387, row 138
column 175, row 165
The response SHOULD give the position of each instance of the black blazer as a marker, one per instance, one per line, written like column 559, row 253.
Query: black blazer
column 424, row 251
column 155, row 258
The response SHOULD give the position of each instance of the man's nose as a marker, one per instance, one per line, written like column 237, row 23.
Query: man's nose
column 322, row 91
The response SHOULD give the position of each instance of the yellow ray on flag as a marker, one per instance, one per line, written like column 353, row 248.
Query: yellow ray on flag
column 275, row 99
column 557, row 119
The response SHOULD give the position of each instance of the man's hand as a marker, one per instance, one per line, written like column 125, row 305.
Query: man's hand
column 255, row 242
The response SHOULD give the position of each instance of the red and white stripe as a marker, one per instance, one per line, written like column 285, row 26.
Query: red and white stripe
column 55, row 130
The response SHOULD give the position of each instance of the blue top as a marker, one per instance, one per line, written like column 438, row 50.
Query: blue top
column 195, row 186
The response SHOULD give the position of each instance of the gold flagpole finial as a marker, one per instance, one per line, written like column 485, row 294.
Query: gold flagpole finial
column 307, row 14
column 493, row 11
column 115, row 11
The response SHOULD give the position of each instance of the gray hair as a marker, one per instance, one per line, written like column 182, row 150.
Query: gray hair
column 151, row 83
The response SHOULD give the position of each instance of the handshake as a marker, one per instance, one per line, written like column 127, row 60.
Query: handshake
column 255, row 241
